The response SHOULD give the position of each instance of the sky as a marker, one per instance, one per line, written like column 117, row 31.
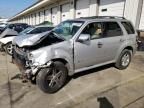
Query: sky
column 9, row 8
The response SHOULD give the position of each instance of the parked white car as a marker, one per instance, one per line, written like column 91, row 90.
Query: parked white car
column 4, row 24
column 6, row 41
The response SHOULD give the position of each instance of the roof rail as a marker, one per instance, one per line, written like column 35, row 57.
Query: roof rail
column 110, row 17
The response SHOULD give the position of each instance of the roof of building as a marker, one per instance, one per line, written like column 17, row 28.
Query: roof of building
column 33, row 7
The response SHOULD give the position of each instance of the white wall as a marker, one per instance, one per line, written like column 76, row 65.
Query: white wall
column 130, row 13
column 111, row 7
column 141, row 26
column 116, row 7
column 48, row 15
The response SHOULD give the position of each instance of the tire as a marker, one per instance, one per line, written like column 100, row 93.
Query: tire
column 124, row 63
column 47, row 83
column 8, row 48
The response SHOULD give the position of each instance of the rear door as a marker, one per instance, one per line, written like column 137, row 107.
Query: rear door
column 113, row 39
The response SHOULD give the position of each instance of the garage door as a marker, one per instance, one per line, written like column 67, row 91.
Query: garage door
column 47, row 15
column 33, row 19
column 54, row 16
column 82, row 8
column 65, row 12
column 30, row 19
column 141, row 27
column 111, row 7
column 37, row 18
column 41, row 17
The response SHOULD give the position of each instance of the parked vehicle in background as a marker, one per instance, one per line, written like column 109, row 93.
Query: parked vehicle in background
column 7, row 41
column 75, row 46
column 1, row 29
column 140, row 41
column 3, row 25
column 8, row 33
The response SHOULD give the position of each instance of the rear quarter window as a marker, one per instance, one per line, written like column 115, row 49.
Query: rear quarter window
column 128, row 27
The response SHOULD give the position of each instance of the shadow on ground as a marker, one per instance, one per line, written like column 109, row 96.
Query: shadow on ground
column 98, row 69
column 104, row 103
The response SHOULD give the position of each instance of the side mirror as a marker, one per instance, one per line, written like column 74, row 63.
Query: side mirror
column 84, row 38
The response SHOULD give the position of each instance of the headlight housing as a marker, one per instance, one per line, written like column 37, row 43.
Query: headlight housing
column 30, row 56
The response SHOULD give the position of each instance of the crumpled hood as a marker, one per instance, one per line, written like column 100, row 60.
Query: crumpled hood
column 29, row 39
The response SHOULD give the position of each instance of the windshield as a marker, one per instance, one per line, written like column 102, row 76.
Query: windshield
column 26, row 30
column 68, row 29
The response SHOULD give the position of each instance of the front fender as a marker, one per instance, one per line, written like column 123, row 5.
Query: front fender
column 46, row 54
column 67, row 56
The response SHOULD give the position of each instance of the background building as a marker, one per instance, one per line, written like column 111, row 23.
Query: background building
column 56, row 11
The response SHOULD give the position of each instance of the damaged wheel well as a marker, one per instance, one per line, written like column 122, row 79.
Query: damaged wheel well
column 64, row 62
column 129, row 48
column 61, row 60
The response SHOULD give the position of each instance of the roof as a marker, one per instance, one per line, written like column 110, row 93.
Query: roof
column 44, row 26
column 101, row 18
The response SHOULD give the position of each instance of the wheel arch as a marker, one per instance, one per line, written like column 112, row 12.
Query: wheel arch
column 121, row 50
column 66, row 63
column 129, row 48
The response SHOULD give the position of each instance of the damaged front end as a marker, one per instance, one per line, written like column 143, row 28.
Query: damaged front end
column 27, row 68
column 30, row 59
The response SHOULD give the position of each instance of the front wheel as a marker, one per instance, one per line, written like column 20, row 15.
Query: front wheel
column 8, row 48
column 50, row 80
column 124, row 59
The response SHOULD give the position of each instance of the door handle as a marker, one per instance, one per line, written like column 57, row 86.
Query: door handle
column 122, row 40
column 100, row 44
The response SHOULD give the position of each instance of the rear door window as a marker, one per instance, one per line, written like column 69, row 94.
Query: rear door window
column 111, row 29
column 128, row 27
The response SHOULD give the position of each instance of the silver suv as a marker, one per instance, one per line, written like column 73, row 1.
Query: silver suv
column 75, row 46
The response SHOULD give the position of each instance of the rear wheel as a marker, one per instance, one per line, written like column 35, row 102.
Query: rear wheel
column 124, row 59
column 50, row 80
column 8, row 48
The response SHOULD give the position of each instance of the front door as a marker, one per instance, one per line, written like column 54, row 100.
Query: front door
column 90, row 52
